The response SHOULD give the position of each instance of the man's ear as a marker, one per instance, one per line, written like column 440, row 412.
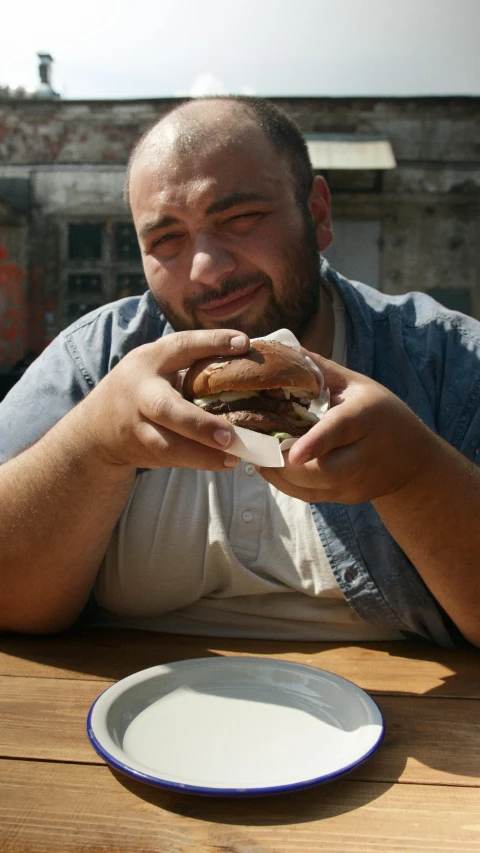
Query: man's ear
column 319, row 202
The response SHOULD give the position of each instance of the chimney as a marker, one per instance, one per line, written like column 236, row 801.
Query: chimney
column 45, row 89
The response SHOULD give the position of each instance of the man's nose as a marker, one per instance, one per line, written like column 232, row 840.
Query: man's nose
column 211, row 261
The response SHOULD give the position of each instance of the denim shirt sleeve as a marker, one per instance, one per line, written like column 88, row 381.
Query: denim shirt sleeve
column 430, row 358
column 71, row 366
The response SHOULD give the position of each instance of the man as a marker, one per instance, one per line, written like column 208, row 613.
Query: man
column 124, row 488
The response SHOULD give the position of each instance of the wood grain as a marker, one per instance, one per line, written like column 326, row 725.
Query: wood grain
column 108, row 655
column 428, row 741
column 54, row 808
column 419, row 793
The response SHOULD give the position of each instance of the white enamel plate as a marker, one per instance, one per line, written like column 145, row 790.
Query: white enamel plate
column 234, row 726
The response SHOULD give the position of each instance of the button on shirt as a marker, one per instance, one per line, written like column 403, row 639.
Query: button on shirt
column 238, row 558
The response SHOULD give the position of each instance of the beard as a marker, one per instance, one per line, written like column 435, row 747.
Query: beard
column 294, row 300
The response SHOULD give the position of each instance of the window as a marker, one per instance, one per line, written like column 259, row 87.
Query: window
column 84, row 283
column 85, row 241
column 101, row 262
column 130, row 284
column 455, row 298
column 78, row 309
column 126, row 243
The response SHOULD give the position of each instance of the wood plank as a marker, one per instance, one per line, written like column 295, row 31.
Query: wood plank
column 427, row 741
column 52, row 808
column 44, row 718
column 111, row 654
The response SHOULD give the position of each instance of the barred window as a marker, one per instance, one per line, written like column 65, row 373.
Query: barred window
column 100, row 262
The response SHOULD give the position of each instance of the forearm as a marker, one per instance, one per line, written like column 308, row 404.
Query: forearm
column 435, row 520
column 60, row 502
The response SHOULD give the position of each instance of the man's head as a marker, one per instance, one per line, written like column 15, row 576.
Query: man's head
column 229, row 217
column 283, row 133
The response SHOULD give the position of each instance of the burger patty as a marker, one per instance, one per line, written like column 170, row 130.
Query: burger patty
column 266, row 421
column 264, row 401
column 260, row 404
column 267, row 411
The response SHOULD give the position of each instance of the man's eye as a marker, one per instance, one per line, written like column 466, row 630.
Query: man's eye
column 250, row 215
column 167, row 245
column 165, row 238
column 244, row 220
column 167, row 242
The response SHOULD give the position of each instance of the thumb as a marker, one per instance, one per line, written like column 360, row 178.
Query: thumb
column 337, row 428
column 335, row 376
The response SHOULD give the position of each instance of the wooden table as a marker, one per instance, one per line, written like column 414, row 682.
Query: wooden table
column 419, row 792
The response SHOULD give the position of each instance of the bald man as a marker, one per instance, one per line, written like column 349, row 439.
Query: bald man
column 121, row 502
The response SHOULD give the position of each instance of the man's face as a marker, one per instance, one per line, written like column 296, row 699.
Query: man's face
column 223, row 239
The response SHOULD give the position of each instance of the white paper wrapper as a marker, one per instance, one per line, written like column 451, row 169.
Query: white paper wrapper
column 265, row 450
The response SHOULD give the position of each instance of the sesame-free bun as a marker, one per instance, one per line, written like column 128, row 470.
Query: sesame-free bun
column 267, row 364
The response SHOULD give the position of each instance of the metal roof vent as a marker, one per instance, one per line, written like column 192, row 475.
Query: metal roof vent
column 45, row 89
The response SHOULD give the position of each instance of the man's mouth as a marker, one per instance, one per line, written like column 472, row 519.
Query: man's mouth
column 231, row 305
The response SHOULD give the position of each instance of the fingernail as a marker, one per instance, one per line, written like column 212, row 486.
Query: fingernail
column 223, row 437
column 231, row 461
column 239, row 342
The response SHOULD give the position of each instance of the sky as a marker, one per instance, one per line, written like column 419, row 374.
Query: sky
column 124, row 49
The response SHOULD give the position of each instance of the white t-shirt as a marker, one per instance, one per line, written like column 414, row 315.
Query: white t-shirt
column 225, row 554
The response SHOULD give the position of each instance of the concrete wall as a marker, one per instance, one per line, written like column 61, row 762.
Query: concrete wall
column 424, row 215
column 435, row 130
column 14, row 313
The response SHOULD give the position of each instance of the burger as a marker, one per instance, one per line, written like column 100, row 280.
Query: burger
column 268, row 389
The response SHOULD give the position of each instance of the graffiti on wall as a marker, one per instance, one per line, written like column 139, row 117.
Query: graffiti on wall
column 13, row 311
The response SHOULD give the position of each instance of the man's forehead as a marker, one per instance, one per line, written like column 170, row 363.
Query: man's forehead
column 182, row 154
column 203, row 187
column 210, row 114
column 199, row 132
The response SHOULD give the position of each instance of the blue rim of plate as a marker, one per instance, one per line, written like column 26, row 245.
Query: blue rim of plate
column 201, row 790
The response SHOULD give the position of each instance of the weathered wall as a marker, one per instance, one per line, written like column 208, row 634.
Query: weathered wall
column 74, row 155
column 62, row 194
column 14, row 317
column 435, row 130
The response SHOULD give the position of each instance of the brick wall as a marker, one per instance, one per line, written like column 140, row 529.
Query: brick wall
column 73, row 153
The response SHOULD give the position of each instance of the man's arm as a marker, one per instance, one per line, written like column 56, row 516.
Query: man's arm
column 60, row 503
column 371, row 447
column 62, row 497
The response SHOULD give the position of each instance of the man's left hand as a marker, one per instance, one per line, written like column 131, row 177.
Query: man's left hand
column 368, row 444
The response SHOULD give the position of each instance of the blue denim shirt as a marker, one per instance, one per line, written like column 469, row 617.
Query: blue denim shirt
column 430, row 358
column 425, row 354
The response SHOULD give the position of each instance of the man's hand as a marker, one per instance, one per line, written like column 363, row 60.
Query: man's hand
column 70, row 487
column 368, row 444
column 371, row 447
column 137, row 417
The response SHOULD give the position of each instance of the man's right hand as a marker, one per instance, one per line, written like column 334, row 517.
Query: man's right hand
column 136, row 416
column 68, row 489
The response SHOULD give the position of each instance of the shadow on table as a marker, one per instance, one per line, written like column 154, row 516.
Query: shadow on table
column 311, row 804
column 106, row 654
column 432, row 733
column 109, row 654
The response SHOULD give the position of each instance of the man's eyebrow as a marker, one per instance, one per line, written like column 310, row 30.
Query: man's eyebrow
column 217, row 207
column 155, row 225
column 234, row 199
